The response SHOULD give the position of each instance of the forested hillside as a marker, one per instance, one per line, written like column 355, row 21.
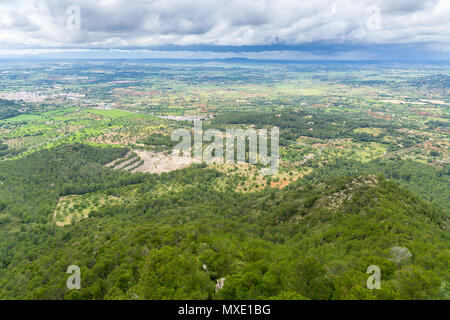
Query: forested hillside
column 428, row 182
column 8, row 109
column 30, row 186
column 172, row 236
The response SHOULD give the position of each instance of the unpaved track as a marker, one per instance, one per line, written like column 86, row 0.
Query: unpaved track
column 124, row 164
column 112, row 163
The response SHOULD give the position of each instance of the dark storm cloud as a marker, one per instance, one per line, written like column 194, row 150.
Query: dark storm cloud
column 407, row 6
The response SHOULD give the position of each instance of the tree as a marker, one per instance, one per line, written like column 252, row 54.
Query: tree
column 417, row 284
column 400, row 255
column 308, row 277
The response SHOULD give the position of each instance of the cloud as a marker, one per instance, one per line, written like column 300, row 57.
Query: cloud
column 139, row 24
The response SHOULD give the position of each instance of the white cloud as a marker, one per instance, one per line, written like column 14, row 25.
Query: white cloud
column 34, row 24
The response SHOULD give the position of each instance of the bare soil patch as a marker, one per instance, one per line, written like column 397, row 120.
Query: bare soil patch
column 158, row 162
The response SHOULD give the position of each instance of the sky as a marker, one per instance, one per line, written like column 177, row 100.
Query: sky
column 206, row 29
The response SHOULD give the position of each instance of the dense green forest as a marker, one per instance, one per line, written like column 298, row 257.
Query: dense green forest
column 31, row 186
column 294, row 123
column 430, row 183
column 172, row 236
column 159, row 142
column 8, row 109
